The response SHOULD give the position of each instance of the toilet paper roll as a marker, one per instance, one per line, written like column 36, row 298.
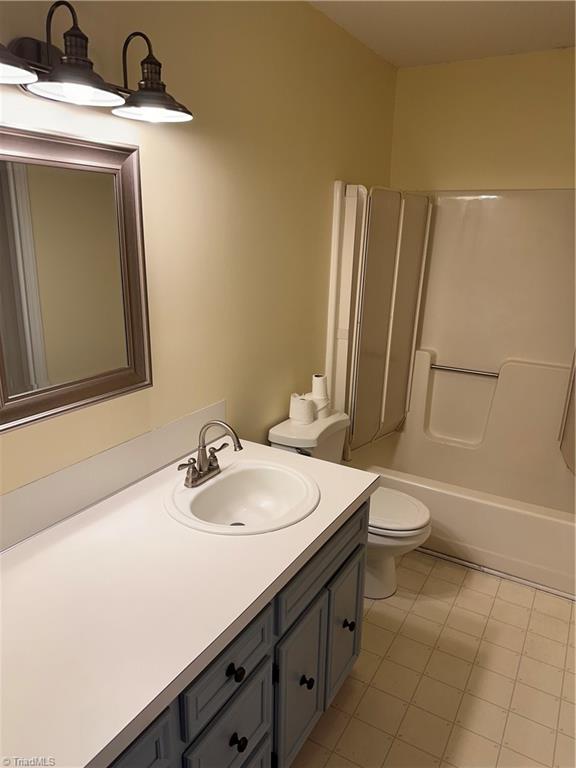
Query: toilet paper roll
column 319, row 386
column 319, row 395
column 302, row 410
column 323, row 409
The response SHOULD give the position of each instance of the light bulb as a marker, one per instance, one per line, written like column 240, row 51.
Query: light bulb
column 152, row 114
column 16, row 75
column 76, row 93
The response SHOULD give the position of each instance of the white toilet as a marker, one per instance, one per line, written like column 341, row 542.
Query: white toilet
column 398, row 522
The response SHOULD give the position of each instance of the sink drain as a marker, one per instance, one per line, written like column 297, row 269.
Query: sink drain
column 231, row 524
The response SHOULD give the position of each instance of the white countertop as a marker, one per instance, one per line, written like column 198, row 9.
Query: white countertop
column 109, row 614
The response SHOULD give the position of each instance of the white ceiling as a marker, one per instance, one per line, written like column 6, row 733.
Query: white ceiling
column 413, row 32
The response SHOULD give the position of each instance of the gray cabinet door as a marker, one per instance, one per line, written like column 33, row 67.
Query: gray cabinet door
column 344, row 621
column 301, row 660
column 153, row 748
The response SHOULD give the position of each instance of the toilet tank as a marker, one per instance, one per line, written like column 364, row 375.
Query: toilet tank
column 322, row 439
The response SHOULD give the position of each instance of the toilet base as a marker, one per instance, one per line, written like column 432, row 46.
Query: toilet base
column 381, row 561
column 380, row 576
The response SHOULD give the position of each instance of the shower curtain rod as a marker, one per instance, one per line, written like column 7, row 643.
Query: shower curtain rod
column 473, row 371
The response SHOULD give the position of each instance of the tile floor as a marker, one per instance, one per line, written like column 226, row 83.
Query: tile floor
column 458, row 668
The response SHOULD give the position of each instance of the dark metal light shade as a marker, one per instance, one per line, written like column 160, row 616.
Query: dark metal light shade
column 150, row 102
column 13, row 70
column 73, row 80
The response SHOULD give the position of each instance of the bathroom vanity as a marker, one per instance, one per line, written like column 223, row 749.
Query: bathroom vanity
column 258, row 701
column 134, row 641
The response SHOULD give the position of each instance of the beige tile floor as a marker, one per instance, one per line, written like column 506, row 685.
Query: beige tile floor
column 458, row 668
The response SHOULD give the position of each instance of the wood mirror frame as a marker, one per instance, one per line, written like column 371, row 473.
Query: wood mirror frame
column 123, row 162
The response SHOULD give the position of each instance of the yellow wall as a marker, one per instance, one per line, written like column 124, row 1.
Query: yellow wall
column 79, row 271
column 505, row 122
column 237, row 204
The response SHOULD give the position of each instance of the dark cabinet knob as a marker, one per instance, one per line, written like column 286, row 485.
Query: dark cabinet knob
column 238, row 673
column 350, row 625
column 239, row 743
column 307, row 681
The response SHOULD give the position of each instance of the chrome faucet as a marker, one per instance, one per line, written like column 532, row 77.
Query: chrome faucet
column 206, row 466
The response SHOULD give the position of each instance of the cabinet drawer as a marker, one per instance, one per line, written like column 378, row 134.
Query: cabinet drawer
column 225, row 676
column 262, row 755
column 344, row 621
column 301, row 659
column 317, row 573
column 227, row 742
column 153, row 748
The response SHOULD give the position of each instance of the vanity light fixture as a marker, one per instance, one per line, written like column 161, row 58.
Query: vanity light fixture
column 14, row 70
column 150, row 102
column 42, row 69
column 73, row 79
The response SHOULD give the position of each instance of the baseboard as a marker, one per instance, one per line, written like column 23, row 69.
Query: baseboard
column 498, row 565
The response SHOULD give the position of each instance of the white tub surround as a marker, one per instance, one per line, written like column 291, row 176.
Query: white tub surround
column 108, row 615
column 512, row 455
column 491, row 365
column 510, row 536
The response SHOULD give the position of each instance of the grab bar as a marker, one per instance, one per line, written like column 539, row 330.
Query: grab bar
column 473, row 371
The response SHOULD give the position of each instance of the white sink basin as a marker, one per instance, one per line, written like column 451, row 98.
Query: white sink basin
column 247, row 497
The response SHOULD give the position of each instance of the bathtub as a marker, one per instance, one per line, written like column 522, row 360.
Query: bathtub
column 513, row 537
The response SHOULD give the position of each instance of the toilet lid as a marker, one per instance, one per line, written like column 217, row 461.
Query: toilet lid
column 396, row 511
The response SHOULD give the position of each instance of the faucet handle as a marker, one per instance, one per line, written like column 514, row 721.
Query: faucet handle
column 192, row 473
column 190, row 464
column 212, row 460
column 213, row 451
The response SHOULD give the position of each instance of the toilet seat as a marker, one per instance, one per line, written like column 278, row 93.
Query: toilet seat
column 392, row 534
column 396, row 514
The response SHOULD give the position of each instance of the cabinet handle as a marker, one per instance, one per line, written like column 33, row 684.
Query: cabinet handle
column 307, row 681
column 239, row 743
column 238, row 673
column 350, row 625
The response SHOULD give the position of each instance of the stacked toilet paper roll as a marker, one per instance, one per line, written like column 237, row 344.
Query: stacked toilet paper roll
column 319, row 395
column 304, row 409
column 301, row 409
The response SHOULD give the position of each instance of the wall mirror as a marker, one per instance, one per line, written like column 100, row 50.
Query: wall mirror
column 73, row 309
